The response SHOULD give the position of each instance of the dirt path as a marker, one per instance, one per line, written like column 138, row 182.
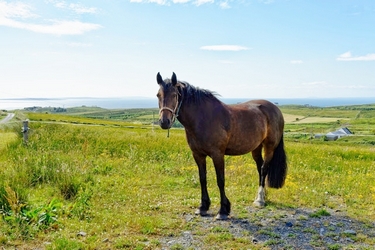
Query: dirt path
column 7, row 118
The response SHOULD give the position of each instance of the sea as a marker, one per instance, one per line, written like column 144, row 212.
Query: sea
column 148, row 102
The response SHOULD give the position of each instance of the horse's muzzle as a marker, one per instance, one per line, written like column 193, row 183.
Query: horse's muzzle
column 165, row 123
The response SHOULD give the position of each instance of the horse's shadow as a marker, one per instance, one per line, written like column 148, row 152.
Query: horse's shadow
column 281, row 227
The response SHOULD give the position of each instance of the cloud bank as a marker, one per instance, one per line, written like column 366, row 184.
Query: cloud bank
column 17, row 15
column 347, row 56
column 222, row 4
column 296, row 62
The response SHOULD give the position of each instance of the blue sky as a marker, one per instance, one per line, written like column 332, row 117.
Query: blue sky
column 237, row 48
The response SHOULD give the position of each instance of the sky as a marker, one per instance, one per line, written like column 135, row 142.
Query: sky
column 237, row 48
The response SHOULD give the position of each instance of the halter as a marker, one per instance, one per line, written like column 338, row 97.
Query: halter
column 175, row 112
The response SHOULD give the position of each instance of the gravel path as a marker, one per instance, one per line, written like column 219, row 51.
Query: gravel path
column 7, row 118
column 280, row 229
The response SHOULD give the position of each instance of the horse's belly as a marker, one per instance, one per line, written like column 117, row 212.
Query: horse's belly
column 244, row 143
column 240, row 149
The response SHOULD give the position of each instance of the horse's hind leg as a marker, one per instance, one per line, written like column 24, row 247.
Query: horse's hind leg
column 261, row 195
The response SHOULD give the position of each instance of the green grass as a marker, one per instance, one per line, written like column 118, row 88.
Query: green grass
column 88, row 184
column 7, row 137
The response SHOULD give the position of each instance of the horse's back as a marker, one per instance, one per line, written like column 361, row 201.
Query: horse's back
column 260, row 108
column 270, row 110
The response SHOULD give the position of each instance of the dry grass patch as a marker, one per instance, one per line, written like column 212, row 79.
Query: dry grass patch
column 318, row 120
column 300, row 119
column 289, row 118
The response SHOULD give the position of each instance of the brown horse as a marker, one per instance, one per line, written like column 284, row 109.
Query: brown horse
column 215, row 129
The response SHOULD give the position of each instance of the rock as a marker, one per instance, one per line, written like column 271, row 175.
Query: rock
column 82, row 234
column 350, row 232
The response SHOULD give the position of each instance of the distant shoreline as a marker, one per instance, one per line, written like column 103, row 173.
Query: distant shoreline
column 148, row 102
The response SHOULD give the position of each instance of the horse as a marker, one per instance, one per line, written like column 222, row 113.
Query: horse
column 216, row 129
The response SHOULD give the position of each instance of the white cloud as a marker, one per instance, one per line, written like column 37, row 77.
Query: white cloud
column 77, row 8
column 15, row 10
column 359, row 87
column 11, row 13
column 200, row 2
column 224, row 5
column 224, row 48
column 316, row 83
column 80, row 9
column 58, row 4
column 56, row 28
column 79, row 44
column 160, row 2
column 167, row 2
column 267, row 1
column 226, row 62
column 296, row 62
column 347, row 56
column 181, row 1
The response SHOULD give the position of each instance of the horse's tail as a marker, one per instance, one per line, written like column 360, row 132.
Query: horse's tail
column 277, row 167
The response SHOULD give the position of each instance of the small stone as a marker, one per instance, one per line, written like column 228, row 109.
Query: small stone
column 82, row 234
column 189, row 217
column 289, row 224
column 349, row 240
column 351, row 232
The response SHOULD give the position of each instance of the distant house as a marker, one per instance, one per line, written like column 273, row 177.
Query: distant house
column 333, row 136
column 341, row 132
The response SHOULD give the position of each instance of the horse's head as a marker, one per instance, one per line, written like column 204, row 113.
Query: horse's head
column 170, row 100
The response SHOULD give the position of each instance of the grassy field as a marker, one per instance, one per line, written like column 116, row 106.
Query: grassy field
column 94, row 183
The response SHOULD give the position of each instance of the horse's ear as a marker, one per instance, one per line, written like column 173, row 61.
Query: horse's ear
column 174, row 79
column 159, row 79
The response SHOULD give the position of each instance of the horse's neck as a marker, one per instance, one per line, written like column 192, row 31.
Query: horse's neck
column 192, row 114
column 187, row 114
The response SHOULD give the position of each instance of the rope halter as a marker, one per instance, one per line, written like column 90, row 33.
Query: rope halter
column 175, row 112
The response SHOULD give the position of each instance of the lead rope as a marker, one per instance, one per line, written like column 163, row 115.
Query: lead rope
column 173, row 115
column 173, row 119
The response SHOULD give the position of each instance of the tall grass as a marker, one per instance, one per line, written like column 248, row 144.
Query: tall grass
column 127, row 187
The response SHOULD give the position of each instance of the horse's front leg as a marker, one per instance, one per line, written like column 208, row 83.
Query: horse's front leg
column 220, row 178
column 205, row 199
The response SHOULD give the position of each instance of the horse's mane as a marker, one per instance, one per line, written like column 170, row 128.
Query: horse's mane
column 194, row 94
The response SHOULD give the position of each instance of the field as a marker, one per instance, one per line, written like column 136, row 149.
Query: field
column 99, row 179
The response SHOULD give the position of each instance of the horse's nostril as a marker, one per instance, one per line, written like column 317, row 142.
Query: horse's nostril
column 164, row 123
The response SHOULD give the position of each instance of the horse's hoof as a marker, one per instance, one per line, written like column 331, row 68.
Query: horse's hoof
column 259, row 204
column 222, row 217
column 201, row 212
